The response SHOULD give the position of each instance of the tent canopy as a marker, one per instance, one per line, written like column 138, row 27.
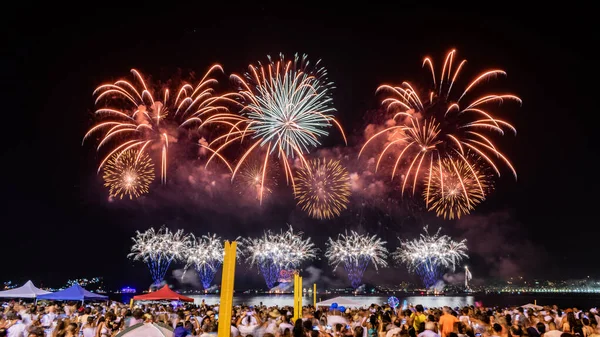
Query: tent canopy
column 164, row 293
column 28, row 290
column 532, row 306
column 147, row 330
column 341, row 301
column 74, row 293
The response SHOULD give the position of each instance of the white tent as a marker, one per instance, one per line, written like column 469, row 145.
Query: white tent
column 341, row 301
column 28, row 290
column 147, row 330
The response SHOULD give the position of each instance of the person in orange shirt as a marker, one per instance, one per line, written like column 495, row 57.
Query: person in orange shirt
column 447, row 321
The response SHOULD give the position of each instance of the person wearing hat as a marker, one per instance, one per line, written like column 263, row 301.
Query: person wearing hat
column 272, row 321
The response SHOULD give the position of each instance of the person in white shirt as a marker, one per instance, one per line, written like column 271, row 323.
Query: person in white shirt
column 25, row 315
column 138, row 317
column 247, row 323
column 212, row 331
column 393, row 331
column 429, row 330
column 552, row 331
column 464, row 318
column 272, row 322
column 234, row 331
column 16, row 326
column 285, row 324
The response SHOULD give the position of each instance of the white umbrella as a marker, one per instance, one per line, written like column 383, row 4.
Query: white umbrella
column 146, row 330
column 532, row 306
column 341, row 302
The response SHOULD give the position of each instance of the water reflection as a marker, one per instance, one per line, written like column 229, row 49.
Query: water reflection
column 282, row 300
column 562, row 300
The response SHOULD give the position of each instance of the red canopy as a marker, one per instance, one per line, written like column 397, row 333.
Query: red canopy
column 164, row 293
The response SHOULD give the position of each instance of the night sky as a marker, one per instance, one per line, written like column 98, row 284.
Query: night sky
column 57, row 222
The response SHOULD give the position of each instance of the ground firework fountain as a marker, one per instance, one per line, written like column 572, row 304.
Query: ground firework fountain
column 355, row 252
column 158, row 249
column 430, row 256
column 275, row 252
column 205, row 255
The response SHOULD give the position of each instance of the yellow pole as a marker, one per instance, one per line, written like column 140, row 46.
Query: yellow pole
column 131, row 303
column 300, row 294
column 315, row 295
column 227, row 281
column 295, row 296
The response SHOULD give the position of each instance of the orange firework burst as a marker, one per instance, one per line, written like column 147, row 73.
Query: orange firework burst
column 456, row 188
column 323, row 188
column 249, row 180
column 429, row 129
column 286, row 109
column 129, row 173
column 135, row 118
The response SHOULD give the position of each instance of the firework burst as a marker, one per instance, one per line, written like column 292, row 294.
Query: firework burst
column 455, row 189
column 430, row 256
column 355, row 252
column 129, row 174
column 323, row 188
column 205, row 254
column 437, row 126
column 275, row 252
column 135, row 116
column 249, row 180
column 286, row 109
column 158, row 249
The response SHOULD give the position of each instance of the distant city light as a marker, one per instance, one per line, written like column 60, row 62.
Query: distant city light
column 128, row 290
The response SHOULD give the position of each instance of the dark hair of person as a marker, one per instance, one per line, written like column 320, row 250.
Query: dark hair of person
column 516, row 331
column 307, row 325
column 358, row 331
column 541, row 328
column 298, row 328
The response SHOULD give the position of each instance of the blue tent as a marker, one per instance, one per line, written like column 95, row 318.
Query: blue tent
column 74, row 293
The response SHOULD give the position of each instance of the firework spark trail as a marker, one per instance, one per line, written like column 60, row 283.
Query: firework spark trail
column 158, row 249
column 134, row 117
column 455, row 189
column 250, row 180
column 430, row 256
column 434, row 127
column 355, row 252
column 286, row 109
column 323, row 188
column 275, row 252
column 205, row 254
column 129, row 174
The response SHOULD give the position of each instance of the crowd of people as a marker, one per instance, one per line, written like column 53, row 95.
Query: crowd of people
column 108, row 319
